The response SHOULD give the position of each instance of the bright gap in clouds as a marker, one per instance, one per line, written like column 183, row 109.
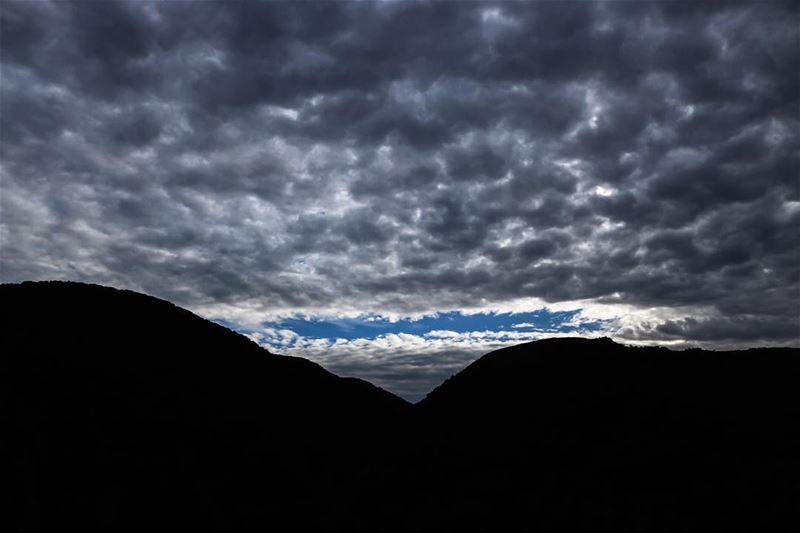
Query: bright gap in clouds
column 372, row 326
column 411, row 356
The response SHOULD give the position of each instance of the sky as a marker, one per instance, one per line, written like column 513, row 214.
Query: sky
column 394, row 188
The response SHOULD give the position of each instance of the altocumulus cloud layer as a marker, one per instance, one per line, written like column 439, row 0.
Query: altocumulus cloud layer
column 250, row 160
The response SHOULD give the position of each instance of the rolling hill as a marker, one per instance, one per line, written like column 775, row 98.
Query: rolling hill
column 580, row 434
column 125, row 412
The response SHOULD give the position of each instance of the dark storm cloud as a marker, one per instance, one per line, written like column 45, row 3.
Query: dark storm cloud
column 410, row 156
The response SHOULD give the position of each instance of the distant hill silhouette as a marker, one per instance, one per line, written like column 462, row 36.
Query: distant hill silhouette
column 122, row 412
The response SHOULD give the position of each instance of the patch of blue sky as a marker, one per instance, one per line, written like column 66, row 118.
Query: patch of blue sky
column 373, row 326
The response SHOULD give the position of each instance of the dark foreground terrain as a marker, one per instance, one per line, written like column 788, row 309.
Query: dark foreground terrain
column 122, row 412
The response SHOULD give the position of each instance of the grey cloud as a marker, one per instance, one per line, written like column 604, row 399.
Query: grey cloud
column 409, row 155
column 410, row 375
column 137, row 127
column 721, row 330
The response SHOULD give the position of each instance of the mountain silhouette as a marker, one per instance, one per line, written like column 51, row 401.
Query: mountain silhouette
column 127, row 411
column 586, row 435
column 123, row 412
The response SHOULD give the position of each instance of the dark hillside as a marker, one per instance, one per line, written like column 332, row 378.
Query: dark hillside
column 127, row 411
column 122, row 412
column 591, row 435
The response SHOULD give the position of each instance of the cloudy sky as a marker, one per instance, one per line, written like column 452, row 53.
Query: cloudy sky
column 393, row 188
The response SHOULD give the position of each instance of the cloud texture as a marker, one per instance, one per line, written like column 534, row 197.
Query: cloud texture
column 252, row 159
